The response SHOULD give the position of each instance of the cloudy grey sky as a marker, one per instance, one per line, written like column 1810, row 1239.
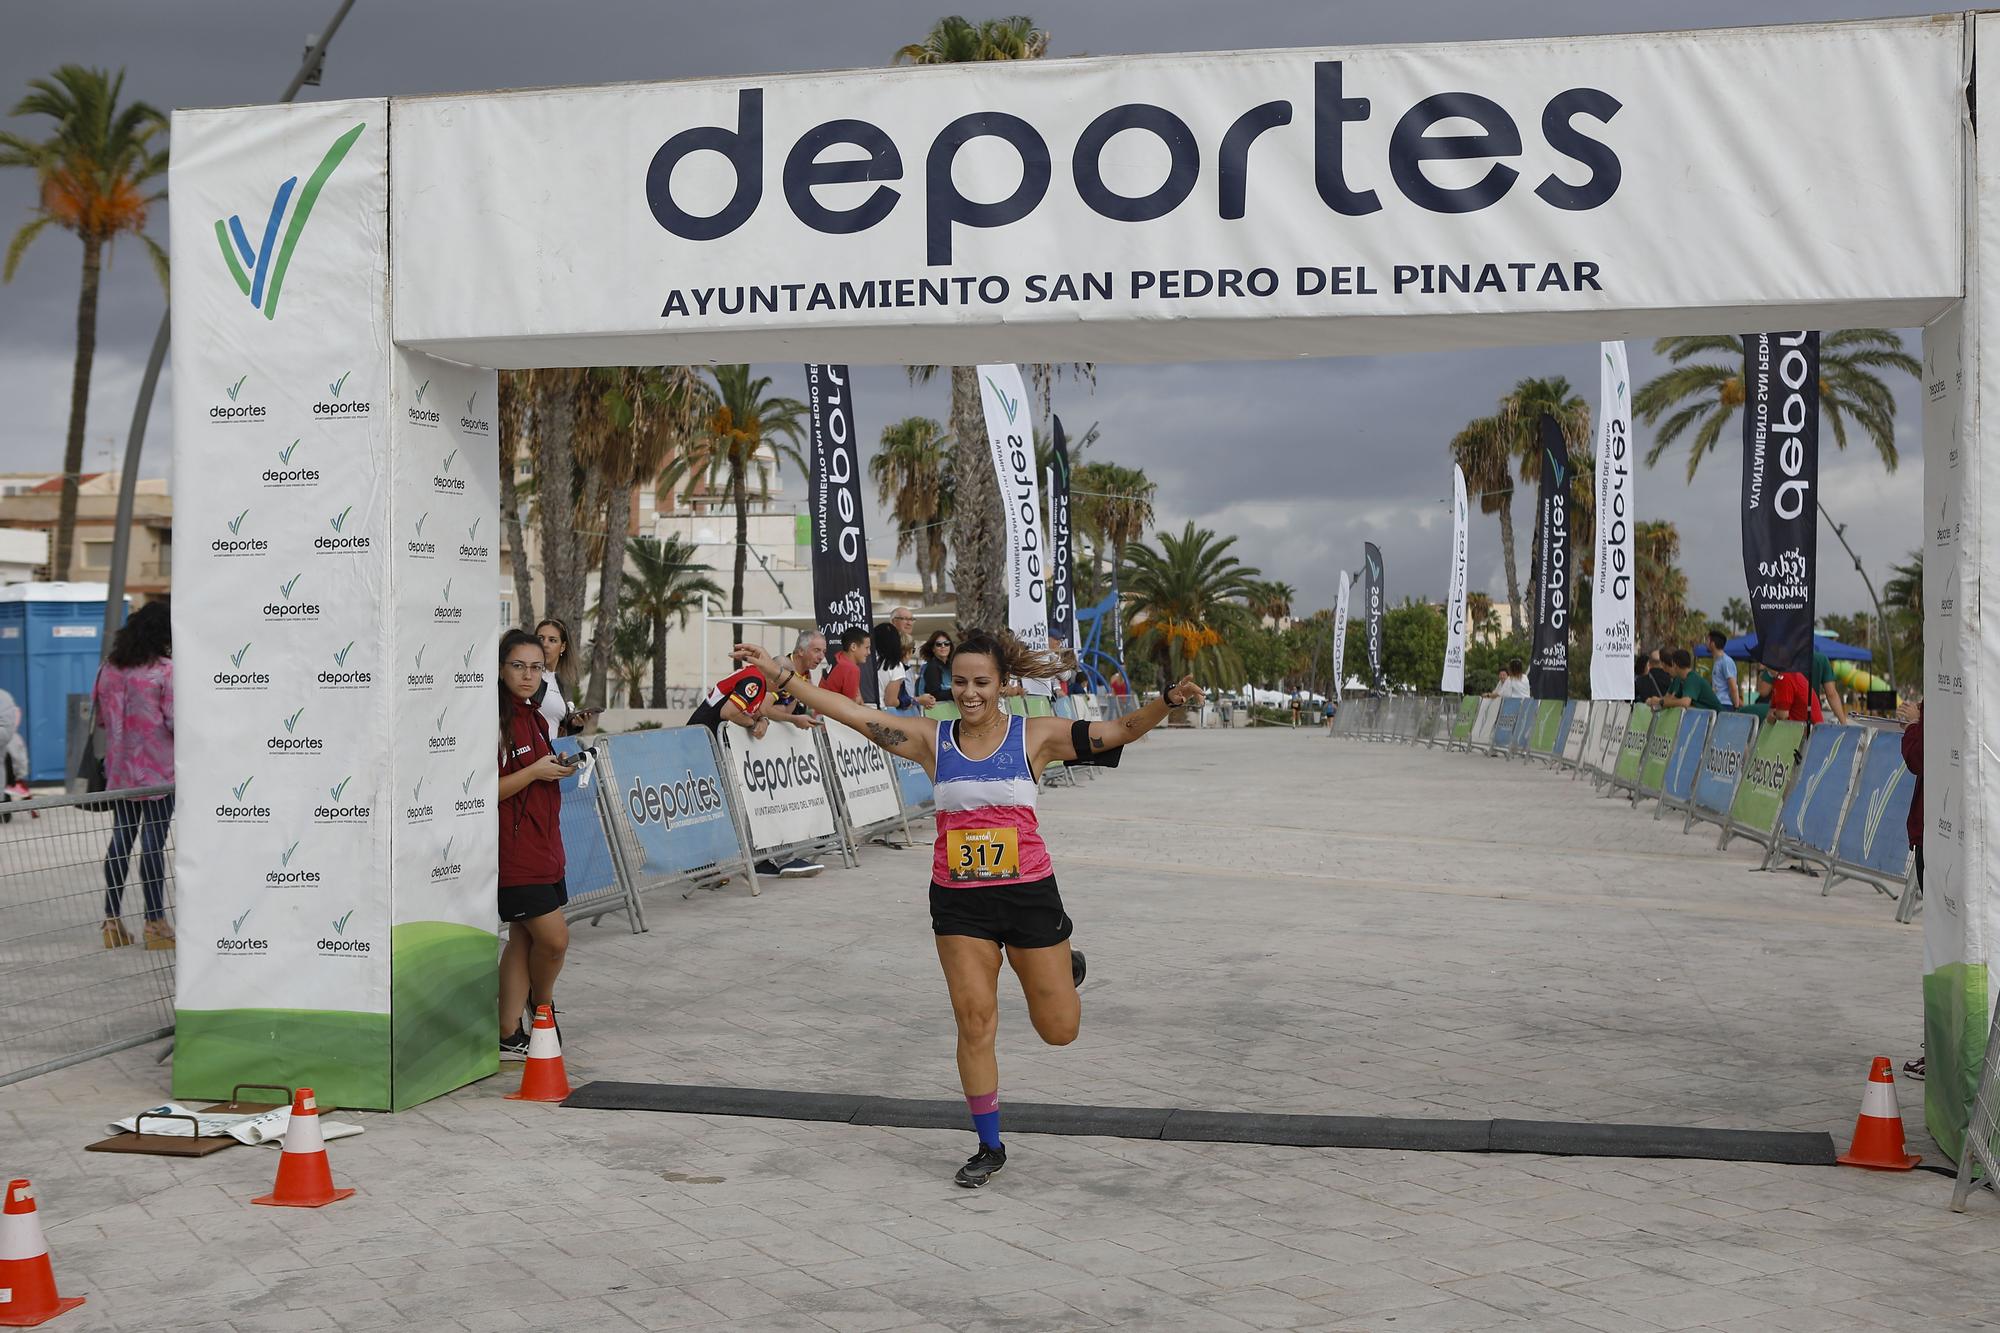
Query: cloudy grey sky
column 1302, row 460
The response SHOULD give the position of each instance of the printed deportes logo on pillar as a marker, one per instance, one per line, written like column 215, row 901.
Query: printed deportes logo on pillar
column 238, row 676
column 418, row 811
column 472, row 424
column 472, row 548
column 468, row 676
column 238, row 408
column 445, row 611
column 345, row 673
column 420, row 547
column 286, row 475
column 416, row 678
column 442, row 480
column 239, row 808
column 467, row 803
column 296, row 737
column 418, row 414
column 260, row 270
column 337, row 808
column 285, row 875
column 236, row 944
column 343, row 539
column 340, row 944
column 446, row 869
column 442, row 739
column 292, row 606
column 238, row 543
column 340, row 404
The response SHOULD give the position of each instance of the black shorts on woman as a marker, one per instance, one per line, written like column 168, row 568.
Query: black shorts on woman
column 1027, row 915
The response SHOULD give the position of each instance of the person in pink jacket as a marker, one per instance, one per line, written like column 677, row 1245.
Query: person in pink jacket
column 133, row 702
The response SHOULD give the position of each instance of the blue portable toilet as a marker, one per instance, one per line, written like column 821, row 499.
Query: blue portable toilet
column 51, row 639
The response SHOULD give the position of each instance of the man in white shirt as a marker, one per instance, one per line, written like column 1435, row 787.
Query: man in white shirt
column 1513, row 681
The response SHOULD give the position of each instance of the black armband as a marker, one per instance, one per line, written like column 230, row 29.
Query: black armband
column 1079, row 739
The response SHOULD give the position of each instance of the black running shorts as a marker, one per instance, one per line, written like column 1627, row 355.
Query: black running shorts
column 522, row 902
column 1025, row 916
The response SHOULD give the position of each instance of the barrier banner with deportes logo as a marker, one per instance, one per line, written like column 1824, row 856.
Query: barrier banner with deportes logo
column 1372, row 593
column 1811, row 813
column 1545, row 731
column 1762, row 793
column 780, row 784
column 1452, row 681
column 1548, row 671
column 1632, row 746
column 1660, row 740
column 1062, row 587
column 1614, row 641
column 952, row 218
column 1685, row 760
column 861, row 767
column 833, row 496
column 1780, row 482
column 671, row 792
column 1007, row 435
column 282, row 618
column 1722, row 763
column 1874, row 833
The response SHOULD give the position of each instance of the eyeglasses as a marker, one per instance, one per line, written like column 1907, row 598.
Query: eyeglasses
column 524, row 666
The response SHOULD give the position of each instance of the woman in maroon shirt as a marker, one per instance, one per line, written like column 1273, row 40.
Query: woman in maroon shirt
column 532, row 894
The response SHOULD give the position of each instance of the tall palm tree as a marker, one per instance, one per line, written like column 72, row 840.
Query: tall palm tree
column 90, row 174
column 1481, row 449
column 1479, row 616
column 1187, row 596
column 978, row 574
column 912, row 474
column 631, row 651
column 1521, row 413
column 1659, row 588
column 1270, row 599
column 1113, row 507
column 745, row 422
column 663, row 583
column 1903, row 605
column 1703, row 395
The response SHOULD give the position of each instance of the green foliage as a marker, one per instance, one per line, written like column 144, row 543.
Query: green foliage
column 1185, row 597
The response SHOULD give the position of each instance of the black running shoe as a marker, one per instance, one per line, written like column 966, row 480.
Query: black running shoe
column 981, row 1167
column 514, row 1047
column 1076, row 967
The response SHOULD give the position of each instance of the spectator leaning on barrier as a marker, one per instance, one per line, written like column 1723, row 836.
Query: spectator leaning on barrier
column 806, row 656
column 845, row 678
column 1644, row 687
column 133, row 701
column 745, row 698
column 533, row 890
column 1792, row 699
column 1723, row 673
column 1691, row 688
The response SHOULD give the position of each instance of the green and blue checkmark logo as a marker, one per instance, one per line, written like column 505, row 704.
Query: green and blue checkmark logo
column 340, row 922
column 1007, row 405
column 235, row 388
column 293, row 721
column 243, row 786
column 333, row 389
column 236, row 524
column 421, row 522
column 285, row 454
column 236, row 926
column 259, row 270
column 339, row 520
column 447, row 461
column 340, row 658
column 472, row 533
column 420, row 390
column 340, row 787
column 289, row 584
column 236, row 658
column 285, row 858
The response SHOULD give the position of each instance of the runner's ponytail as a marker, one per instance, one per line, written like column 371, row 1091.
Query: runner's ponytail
column 1016, row 659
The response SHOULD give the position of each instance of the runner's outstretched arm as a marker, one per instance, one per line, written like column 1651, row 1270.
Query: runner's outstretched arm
column 1052, row 737
column 911, row 737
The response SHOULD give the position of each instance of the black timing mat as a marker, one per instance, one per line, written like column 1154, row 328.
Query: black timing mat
column 1551, row 1137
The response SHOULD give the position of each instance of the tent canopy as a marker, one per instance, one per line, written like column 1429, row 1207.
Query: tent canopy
column 1744, row 646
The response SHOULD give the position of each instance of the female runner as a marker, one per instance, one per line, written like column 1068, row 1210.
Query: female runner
column 993, row 888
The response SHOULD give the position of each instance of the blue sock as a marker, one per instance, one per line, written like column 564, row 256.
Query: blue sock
column 986, row 1118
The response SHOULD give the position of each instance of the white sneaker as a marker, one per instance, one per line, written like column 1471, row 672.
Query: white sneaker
column 800, row 868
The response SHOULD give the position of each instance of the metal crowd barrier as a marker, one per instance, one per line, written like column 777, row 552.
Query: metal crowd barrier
column 67, row 997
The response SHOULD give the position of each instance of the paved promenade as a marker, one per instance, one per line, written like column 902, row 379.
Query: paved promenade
column 1275, row 921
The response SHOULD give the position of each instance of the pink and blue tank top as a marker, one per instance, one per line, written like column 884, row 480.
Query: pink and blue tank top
column 987, row 832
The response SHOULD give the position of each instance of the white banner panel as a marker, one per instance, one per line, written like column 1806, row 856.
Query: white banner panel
column 281, row 624
column 861, row 767
column 1010, row 440
column 1452, row 680
column 1244, row 204
column 443, row 687
column 780, row 784
column 1614, row 637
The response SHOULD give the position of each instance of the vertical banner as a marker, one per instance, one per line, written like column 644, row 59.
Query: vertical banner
column 1780, row 477
column 1006, row 403
column 1548, row 673
column 1453, row 679
column 1062, row 586
column 283, row 616
column 833, row 491
column 1614, row 640
column 1372, row 607
column 1340, row 635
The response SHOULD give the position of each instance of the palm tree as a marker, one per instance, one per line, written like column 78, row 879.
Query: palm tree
column 1186, row 597
column 1903, row 601
column 743, row 424
column 1480, row 619
column 1704, row 394
column 1521, row 413
column 1659, row 588
column 1736, row 616
column 1481, row 450
column 1271, row 600
column 912, row 473
column 90, row 175
column 978, row 576
column 1112, row 506
column 664, row 583
column 631, row 652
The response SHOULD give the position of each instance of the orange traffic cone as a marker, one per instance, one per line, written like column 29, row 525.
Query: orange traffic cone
column 304, row 1178
column 1878, row 1132
column 543, row 1079
column 27, row 1282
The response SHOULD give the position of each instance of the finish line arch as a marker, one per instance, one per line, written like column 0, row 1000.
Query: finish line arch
column 350, row 275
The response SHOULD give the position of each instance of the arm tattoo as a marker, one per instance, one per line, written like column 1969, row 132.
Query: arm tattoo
column 1097, row 742
column 887, row 737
